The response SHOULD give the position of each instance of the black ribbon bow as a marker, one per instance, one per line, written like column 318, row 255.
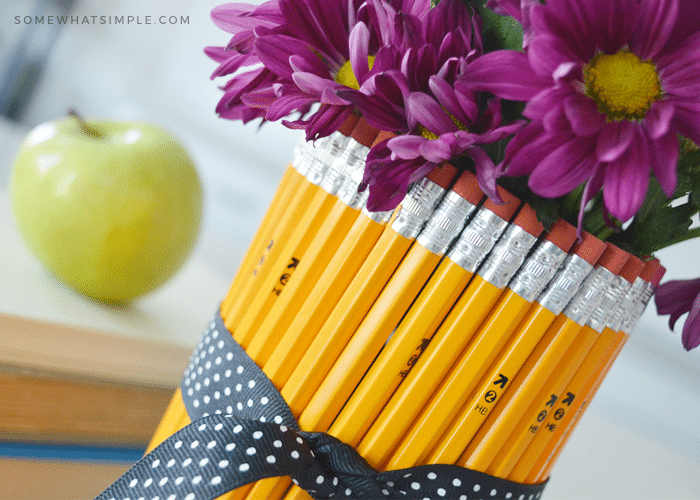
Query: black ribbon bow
column 242, row 431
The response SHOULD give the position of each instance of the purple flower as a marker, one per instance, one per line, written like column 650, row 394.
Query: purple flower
column 323, row 47
column 677, row 298
column 606, row 91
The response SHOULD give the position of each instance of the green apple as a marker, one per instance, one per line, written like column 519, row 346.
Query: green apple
column 112, row 209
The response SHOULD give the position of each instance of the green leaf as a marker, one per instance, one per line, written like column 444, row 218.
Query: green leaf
column 657, row 230
column 504, row 30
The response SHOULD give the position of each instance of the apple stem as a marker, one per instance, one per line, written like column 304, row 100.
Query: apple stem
column 87, row 130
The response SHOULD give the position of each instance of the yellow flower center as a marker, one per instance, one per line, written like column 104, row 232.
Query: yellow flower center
column 345, row 75
column 424, row 132
column 623, row 85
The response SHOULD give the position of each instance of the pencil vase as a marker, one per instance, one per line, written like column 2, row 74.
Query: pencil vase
column 444, row 349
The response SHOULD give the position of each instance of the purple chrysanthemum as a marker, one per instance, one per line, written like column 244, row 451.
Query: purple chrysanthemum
column 310, row 50
column 677, row 298
column 608, row 86
column 438, row 116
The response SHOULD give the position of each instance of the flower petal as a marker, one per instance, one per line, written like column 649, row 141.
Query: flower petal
column 627, row 179
column 505, row 73
column 657, row 19
column 564, row 169
column 359, row 51
column 691, row 328
column 406, row 146
column 546, row 53
column 427, row 111
column 663, row 155
column 614, row 140
column 583, row 115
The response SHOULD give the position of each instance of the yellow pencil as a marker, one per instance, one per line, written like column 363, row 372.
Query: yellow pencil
column 468, row 252
column 536, row 271
column 343, row 180
column 562, row 421
column 409, row 219
column 527, row 334
column 549, row 351
column 422, row 319
column 312, row 223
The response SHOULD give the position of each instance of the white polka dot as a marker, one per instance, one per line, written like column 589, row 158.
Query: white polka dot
column 230, row 446
column 190, row 496
column 319, row 480
column 237, row 429
column 229, row 356
column 251, row 451
column 477, row 487
column 239, row 370
column 239, row 406
column 250, row 403
column 206, row 400
column 155, row 463
column 171, row 462
column 178, row 444
column 215, row 480
column 300, row 441
column 508, row 495
column 227, row 391
column 133, row 483
column 163, row 481
column 172, row 497
column 271, row 459
column 277, row 443
column 278, row 419
column 385, row 492
column 194, row 444
column 217, row 395
column 441, row 492
column 257, row 435
column 217, row 377
column 407, row 475
column 210, row 350
column 239, row 387
column 202, row 427
column 295, row 454
column 220, row 344
column 196, row 479
column 283, row 428
column 263, row 419
column 463, row 497
column 187, row 462
column 179, row 480
column 203, row 462
column 148, row 482
column 218, row 427
column 207, row 381
column 251, row 384
column 227, row 373
column 493, row 492
column 264, row 400
column 432, row 475
column 244, row 467
column 348, row 492
column 229, row 410
column 335, row 481
column 211, row 445
column 195, row 403
column 415, row 485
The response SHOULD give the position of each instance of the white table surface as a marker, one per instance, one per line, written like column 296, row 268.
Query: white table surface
column 640, row 438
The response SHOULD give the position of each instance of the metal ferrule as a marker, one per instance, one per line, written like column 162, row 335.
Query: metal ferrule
column 630, row 321
column 379, row 217
column 477, row 240
column 589, row 296
column 614, row 294
column 445, row 223
column 322, row 154
column 417, row 207
column 343, row 173
column 507, row 256
column 537, row 271
column 349, row 195
column 626, row 305
column 565, row 284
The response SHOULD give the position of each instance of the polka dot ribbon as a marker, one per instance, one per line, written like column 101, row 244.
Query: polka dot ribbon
column 242, row 430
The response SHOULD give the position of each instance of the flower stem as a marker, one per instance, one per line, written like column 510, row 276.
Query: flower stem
column 692, row 233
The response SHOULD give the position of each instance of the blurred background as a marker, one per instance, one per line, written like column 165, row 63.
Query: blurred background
column 640, row 438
